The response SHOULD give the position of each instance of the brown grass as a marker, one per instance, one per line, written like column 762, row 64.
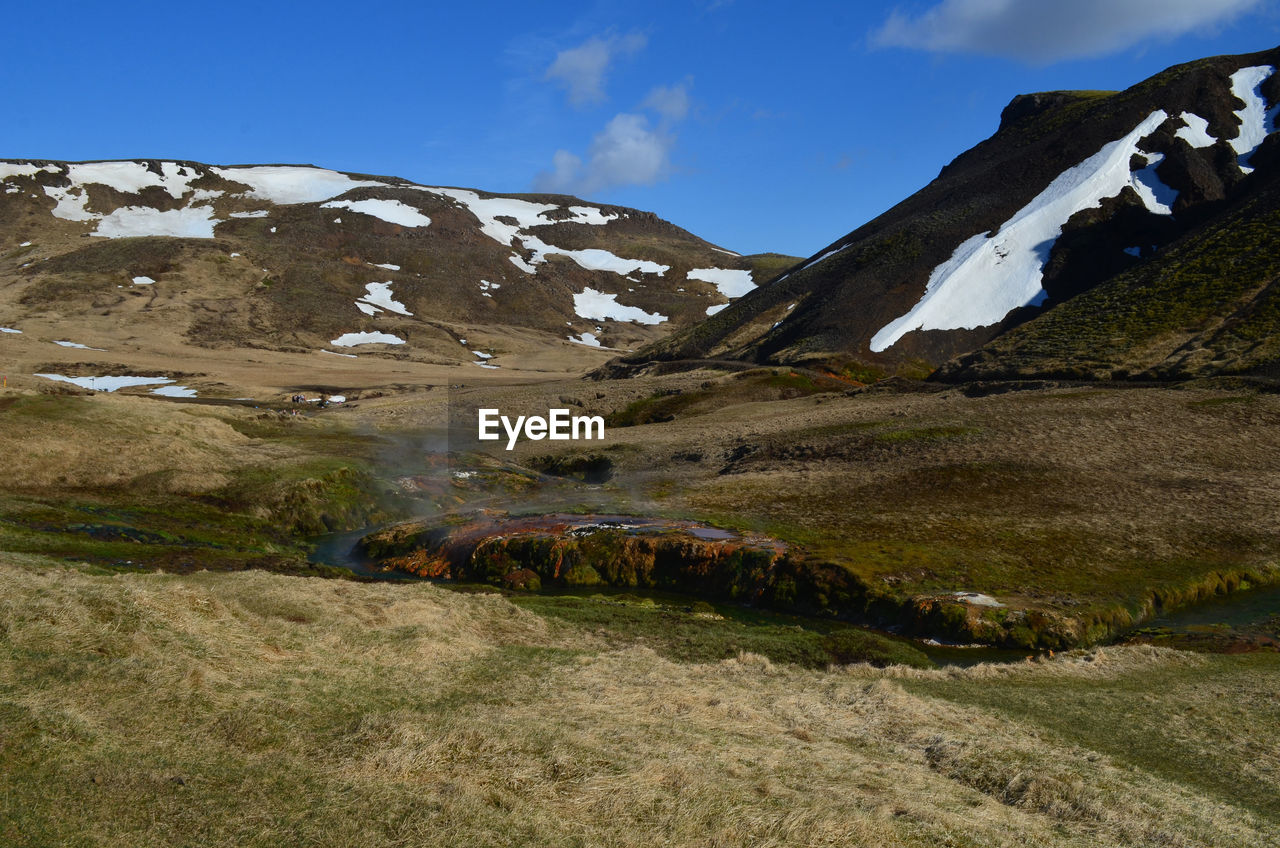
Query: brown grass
column 255, row 709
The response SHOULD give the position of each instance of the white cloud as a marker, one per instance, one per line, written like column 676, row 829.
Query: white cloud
column 669, row 101
column 1041, row 31
column 582, row 69
column 626, row 152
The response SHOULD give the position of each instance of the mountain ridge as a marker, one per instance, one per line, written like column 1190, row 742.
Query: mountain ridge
column 295, row 258
column 1056, row 168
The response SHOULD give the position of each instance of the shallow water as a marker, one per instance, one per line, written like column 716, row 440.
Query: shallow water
column 1239, row 610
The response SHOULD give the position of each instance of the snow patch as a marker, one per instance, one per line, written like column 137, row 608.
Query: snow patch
column 527, row 214
column 730, row 283
column 599, row 306
column 174, row 391
column 824, row 256
column 78, row 346
column 976, row 599
column 488, row 209
column 286, row 184
column 1256, row 123
column 132, row 177
column 721, row 250
column 70, row 206
column 353, row 339
column 712, row 310
column 1155, row 194
column 10, row 330
column 589, row 215
column 143, row 280
column 379, row 296
column 335, row 353
column 988, row 276
column 387, row 266
column 257, row 213
column 106, row 384
column 14, row 169
column 482, row 355
column 588, row 339
column 134, row 221
column 391, row 211
column 522, row 265
column 1133, row 251
column 1196, row 131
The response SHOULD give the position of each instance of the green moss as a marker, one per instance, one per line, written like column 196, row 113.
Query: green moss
column 927, row 434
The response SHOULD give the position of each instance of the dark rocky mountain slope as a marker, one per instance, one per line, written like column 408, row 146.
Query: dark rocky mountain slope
column 1144, row 216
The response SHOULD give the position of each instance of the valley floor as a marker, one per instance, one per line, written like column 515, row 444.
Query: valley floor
column 209, row 707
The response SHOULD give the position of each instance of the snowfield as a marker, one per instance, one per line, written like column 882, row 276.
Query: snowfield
column 988, row 276
column 599, row 306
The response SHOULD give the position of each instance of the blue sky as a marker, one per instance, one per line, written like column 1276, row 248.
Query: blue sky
column 756, row 125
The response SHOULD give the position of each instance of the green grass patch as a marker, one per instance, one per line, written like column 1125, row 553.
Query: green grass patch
column 695, row 631
column 1171, row 735
column 925, row 434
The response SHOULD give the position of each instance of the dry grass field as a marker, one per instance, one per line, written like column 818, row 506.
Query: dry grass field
column 258, row 709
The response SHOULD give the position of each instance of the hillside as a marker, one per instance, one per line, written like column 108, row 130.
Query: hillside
column 1075, row 189
column 1208, row 304
column 174, row 265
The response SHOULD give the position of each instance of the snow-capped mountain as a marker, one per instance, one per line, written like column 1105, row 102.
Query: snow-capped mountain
column 1076, row 191
column 306, row 259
